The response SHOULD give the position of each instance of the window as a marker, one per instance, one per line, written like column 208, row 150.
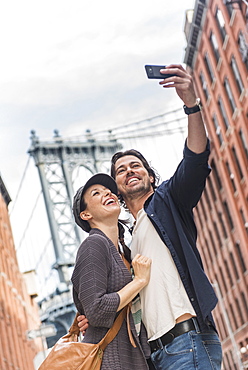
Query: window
column 239, row 311
column 203, row 210
column 223, row 279
column 233, row 316
column 244, row 300
column 218, row 284
column 243, row 48
column 244, row 143
column 209, row 180
column 228, row 272
column 243, row 219
column 234, row 266
column 229, row 95
column 229, row 7
column 223, row 113
column 240, row 257
column 210, row 255
column 223, row 326
column 228, row 215
column 230, row 360
column 217, row 234
column 215, row 48
column 204, row 86
column 204, row 258
column 217, row 128
column 207, row 198
column 212, row 243
column 231, row 176
column 221, row 23
column 209, row 67
column 236, row 159
column 216, row 175
column 198, row 215
column 222, row 225
column 236, row 74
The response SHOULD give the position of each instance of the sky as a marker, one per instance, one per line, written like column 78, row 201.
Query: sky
column 74, row 65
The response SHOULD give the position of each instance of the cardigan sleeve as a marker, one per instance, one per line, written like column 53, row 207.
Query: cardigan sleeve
column 90, row 281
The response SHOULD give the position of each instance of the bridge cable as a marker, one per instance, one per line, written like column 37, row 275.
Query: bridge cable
column 29, row 220
column 138, row 122
column 20, row 185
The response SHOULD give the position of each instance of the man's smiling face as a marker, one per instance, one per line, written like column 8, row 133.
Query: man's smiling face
column 131, row 177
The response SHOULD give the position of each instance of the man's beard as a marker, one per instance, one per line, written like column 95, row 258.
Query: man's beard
column 136, row 191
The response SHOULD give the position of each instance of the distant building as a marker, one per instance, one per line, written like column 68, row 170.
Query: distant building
column 217, row 56
column 18, row 310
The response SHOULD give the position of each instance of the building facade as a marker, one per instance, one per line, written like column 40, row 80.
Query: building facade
column 217, row 56
column 18, row 310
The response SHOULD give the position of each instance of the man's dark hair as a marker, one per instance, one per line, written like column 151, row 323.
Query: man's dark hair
column 151, row 171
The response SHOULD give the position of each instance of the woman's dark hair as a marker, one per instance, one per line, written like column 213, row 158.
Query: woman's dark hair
column 126, row 250
column 151, row 171
column 83, row 204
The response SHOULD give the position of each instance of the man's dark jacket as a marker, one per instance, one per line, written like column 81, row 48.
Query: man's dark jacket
column 170, row 209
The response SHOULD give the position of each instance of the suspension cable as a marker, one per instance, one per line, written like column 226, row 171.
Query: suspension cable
column 20, row 185
column 29, row 220
column 137, row 122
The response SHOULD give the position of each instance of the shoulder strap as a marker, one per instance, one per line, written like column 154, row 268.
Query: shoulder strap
column 129, row 327
column 74, row 329
column 113, row 331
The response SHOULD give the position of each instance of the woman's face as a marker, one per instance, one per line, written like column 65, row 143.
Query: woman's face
column 100, row 204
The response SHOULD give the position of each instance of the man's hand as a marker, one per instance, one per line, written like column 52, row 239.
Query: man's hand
column 82, row 323
column 182, row 82
column 142, row 268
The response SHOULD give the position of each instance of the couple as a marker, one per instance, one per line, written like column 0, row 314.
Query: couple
column 177, row 329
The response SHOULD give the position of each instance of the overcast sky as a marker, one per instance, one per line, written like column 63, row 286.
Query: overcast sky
column 74, row 65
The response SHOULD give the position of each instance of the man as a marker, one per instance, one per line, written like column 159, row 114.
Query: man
column 177, row 303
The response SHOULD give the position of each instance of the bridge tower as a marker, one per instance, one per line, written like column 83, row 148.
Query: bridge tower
column 56, row 161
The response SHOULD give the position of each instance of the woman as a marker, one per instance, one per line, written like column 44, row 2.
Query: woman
column 102, row 284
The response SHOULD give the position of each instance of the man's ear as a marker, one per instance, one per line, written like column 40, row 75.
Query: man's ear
column 86, row 216
column 151, row 179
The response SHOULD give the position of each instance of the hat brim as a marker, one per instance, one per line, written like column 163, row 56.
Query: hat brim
column 102, row 179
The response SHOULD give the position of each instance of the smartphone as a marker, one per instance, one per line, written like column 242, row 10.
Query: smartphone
column 154, row 72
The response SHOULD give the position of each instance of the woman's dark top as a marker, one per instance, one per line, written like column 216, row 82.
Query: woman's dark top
column 98, row 274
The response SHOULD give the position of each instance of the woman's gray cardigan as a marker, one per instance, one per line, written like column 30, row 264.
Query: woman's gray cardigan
column 98, row 274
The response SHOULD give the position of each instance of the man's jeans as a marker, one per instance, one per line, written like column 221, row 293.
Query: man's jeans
column 192, row 350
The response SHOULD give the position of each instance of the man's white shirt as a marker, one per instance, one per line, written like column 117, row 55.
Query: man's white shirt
column 164, row 299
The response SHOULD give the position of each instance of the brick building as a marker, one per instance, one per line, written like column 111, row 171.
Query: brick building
column 217, row 55
column 18, row 310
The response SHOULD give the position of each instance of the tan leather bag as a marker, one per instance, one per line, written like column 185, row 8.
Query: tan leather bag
column 69, row 354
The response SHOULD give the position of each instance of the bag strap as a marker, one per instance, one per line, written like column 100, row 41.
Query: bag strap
column 74, row 329
column 129, row 327
column 112, row 332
